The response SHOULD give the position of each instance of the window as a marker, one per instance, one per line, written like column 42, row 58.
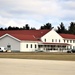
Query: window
column 70, row 41
column 67, row 41
column 31, row 45
column 73, row 41
column 26, row 45
column 9, row 47
column 73, row 47
column 45, row 40
column 59, row 40
column 70, row 47
column 56, row 40
column 52, row 40
column 35, row 45
column 64, row 41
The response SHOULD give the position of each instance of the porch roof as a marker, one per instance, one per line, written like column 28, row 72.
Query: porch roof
column 63, row 44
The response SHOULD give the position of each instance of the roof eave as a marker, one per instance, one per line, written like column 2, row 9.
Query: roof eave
column 10, row 36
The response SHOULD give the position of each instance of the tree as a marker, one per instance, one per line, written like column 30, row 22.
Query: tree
column 1, row 28
column 32, row 28
column 9, row 28
column 26, row 27
column 12, row 28
column 61, row 28
column 71, row 28
column 17, row 28
column 46, row 26
column 6, row 29
column 20, row 28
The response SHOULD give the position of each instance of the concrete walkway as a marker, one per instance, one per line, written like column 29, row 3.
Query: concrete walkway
column 36, row 67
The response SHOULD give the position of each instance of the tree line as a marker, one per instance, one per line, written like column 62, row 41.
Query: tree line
column 26, row 27
column 60, row 29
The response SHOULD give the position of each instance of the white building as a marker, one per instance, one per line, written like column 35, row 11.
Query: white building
column 31, row 40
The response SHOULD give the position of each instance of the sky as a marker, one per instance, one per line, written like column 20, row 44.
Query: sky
column 36, row 13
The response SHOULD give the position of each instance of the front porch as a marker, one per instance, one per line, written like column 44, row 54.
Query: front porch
column 53, row 47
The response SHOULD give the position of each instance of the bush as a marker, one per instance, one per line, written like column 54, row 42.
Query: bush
column 68, row 51
column 73, row 51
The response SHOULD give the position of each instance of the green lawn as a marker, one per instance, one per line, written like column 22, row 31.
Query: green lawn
column 40, row 55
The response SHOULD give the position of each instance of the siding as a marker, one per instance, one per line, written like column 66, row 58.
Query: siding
column 52, row 35
column 23, row 47
column 7, row 40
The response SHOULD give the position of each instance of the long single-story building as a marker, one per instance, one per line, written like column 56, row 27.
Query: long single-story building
column 32, row 40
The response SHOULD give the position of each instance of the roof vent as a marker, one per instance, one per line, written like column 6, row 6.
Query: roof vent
column 34, row 36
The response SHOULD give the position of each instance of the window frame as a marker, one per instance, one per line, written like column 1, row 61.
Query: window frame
column 52, row 40
column 35, row 46
column 31, row 46
column 45, row 40
column 26, row 45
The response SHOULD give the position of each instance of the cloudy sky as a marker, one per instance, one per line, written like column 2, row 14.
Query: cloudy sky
column 36, row 12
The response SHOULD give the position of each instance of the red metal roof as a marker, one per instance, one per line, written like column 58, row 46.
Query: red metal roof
column 25, row 37
column 68, row 36
column 30, row 35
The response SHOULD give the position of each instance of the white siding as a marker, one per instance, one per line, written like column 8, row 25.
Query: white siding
column 71, row 42
column 23, row 47
column 7, row 40
column 52, row 35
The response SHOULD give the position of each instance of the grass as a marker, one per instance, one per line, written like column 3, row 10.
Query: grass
column 40, row 55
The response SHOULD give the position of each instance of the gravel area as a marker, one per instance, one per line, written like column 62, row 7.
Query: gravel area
column 36, row 67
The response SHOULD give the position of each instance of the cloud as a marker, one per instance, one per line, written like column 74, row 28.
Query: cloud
column 69, row 4
column 31, row 7
column 36, row 12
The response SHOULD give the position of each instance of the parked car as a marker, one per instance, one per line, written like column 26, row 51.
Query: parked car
column 71, row 51
column 2, row 49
